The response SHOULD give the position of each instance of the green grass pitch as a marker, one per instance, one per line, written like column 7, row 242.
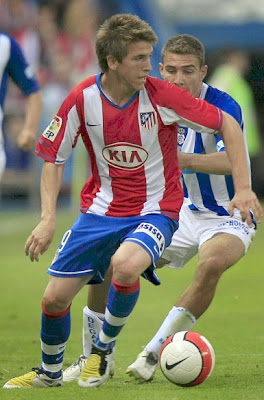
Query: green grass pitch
column 233, row 324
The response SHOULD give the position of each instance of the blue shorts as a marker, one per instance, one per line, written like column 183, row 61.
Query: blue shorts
column 87, row 247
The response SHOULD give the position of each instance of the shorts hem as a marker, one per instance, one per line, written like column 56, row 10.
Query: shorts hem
column 63, row 274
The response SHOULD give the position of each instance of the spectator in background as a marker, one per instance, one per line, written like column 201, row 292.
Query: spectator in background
column 14, row 65
column 58, row 86
column 229, row 76
column 16, row 15
column 53, row 41
column 58, row 8
column 18, row 18
column 81, row 20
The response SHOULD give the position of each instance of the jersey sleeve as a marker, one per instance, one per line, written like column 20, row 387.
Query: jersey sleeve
column 60, row 137
column 176, row 105
column 20, row 71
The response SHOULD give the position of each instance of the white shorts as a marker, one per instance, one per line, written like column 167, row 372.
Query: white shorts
column 196, row 227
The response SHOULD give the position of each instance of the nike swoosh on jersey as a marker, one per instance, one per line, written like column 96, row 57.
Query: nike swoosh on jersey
column 92, row 124
column 169, row 367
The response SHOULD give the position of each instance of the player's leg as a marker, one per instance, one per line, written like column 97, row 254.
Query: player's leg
column 223, row 241
column 215, row 257
column 55, row 331
column 128, row 263
column 93, row 316
column 143, row 369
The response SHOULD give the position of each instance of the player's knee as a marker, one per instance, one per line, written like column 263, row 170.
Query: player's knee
column 53, row 304
column 212, row 267
column 124, row 275
column 124, row 271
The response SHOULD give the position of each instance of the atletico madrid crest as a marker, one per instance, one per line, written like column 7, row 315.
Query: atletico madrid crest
column 148, row 119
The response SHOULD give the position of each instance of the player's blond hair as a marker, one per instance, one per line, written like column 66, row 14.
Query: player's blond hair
column 116, row 33
column 185, row 44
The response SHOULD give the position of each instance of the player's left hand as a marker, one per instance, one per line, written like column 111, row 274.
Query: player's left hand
column 26, row 140
column 245, row 201
column 39, row 239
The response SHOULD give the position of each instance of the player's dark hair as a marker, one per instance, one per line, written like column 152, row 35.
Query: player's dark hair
column 185, row 44
column 116, row 33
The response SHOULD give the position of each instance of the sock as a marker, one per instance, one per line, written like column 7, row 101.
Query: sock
column 55, row 331
column 178, row 319
column 121, row 301
column 92, row 324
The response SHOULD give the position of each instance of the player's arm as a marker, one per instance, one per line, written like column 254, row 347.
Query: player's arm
column 26, row 140
column 245, row 199
column 201, row 116
column 22, row 74
column 41, row 237
column 214, row 163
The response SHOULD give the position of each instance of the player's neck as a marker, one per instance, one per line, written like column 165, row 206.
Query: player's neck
column 115, row 90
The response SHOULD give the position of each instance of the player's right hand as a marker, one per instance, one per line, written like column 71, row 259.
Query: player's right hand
column 39, row 240
column 246, row 202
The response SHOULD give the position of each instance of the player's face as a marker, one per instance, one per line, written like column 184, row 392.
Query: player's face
column 183, row 70
column 133, row 70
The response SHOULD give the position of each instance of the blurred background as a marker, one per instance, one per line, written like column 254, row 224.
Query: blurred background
column 57, row 37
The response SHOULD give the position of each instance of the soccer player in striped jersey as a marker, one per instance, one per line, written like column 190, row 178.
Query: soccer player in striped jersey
column 14, row 65
column 205, row 226
column 131, row 202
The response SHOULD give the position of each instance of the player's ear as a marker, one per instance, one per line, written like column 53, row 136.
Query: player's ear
column 112, row 62
column 161, row 67
column 204, row 71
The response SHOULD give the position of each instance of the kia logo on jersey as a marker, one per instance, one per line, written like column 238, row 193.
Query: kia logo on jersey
column 125, row 155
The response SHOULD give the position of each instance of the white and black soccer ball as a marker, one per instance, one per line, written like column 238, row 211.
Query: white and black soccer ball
column 187, row 358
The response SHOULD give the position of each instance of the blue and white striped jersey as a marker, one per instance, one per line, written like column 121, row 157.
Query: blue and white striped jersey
column 208, row 191
column 14, row 65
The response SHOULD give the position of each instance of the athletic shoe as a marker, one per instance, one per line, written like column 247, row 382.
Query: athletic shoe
column 145, row 366
column 97, row 368
column 36, row 378
column 73, row 372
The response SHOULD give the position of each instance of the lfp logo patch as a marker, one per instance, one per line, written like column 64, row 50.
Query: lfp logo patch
column 53, row 129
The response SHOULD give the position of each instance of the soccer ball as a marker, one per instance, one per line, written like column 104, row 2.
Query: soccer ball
column 187, row 358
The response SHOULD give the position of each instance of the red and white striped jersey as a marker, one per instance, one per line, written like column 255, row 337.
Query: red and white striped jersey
column 133, row 148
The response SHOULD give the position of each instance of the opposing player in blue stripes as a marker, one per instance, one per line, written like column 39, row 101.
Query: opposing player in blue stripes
column 14, row 65
column 205, row 226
